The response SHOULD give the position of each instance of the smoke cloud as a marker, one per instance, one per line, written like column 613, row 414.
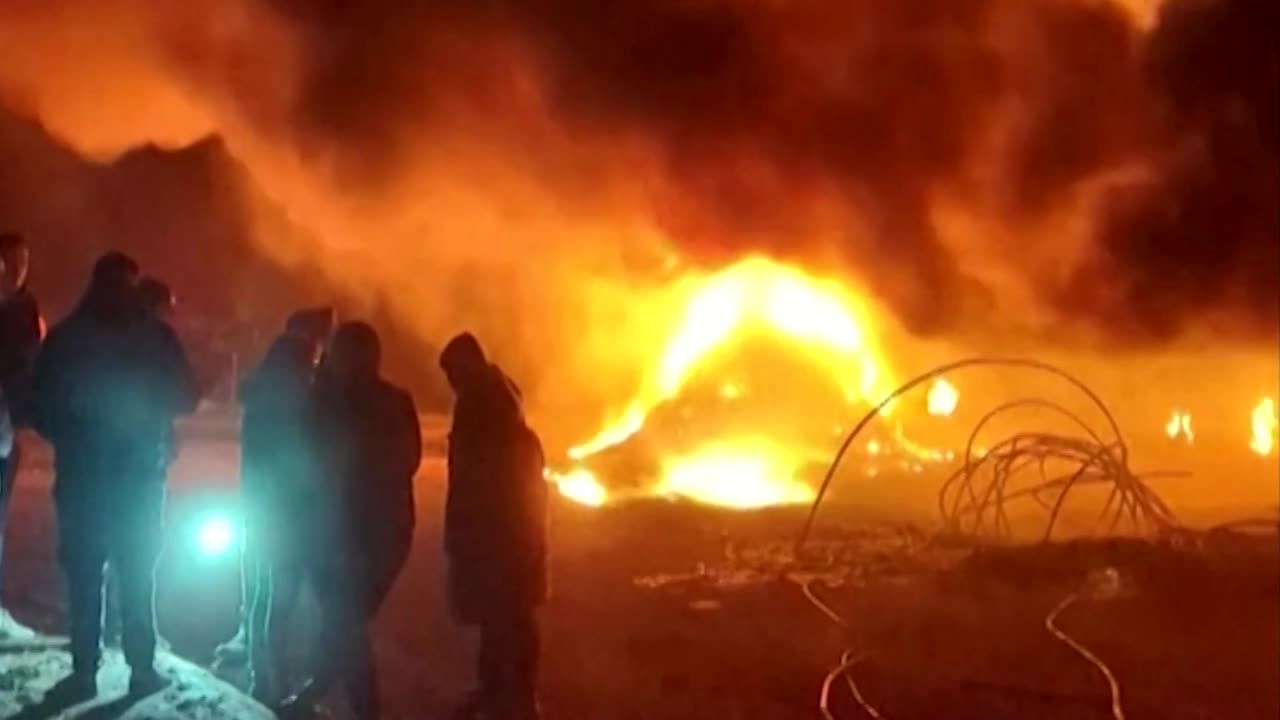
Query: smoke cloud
column 1075, row 168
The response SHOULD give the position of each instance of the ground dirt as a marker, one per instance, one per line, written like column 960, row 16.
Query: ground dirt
column 664, row 610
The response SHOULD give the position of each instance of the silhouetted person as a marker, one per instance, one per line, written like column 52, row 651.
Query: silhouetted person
column 157, row 303
column 20, row 334
column 368, row 444
column 105, row 386
column 276, row 480
column 495, row 530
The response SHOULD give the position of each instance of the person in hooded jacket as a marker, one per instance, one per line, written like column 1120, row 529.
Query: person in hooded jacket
column 276, row 480
column 368, row 444
column 495, row 530
column 105, row 388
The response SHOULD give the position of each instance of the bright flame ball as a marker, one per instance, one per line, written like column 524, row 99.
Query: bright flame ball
column 215, row 536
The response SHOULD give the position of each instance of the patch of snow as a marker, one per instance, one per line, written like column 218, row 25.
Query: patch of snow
column 29, row 669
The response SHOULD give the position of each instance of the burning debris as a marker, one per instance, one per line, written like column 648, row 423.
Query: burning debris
column 739, row 442
column 1179, row 427
column 725, row 418
column 943, row 398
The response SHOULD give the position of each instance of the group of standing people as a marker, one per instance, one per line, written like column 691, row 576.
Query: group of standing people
column 329, row 452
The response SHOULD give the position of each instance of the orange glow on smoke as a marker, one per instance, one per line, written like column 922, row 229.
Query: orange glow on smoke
column 1263, row 440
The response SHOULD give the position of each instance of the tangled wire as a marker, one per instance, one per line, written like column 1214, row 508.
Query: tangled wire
column 974, row 501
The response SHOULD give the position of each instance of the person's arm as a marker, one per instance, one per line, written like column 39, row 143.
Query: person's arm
column 185, row 395
column 33, row 329
column 46, row 384
column 6, row 428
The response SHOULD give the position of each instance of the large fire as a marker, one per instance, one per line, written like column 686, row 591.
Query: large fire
column 755, row 296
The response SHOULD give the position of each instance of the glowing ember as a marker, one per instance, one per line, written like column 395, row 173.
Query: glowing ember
column 943, row 398
column 1179, row 426
column 730, row 391
column 738, row 477
column 757, row 294
column 1264, row 427
column 581, row 486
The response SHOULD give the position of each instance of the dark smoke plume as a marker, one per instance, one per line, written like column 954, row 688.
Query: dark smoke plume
column 825, row 132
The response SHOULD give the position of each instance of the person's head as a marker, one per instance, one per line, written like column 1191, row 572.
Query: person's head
column 313, row 327
column 463, row 361
column 114, row 270
column 355, row 352
column 113, row 285
column 16, row 260
column 156, row 297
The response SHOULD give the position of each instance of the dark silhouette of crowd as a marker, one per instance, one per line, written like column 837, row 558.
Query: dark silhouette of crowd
column 329, row 452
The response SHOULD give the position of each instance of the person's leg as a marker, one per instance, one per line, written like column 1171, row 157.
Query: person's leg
column 362, row 677
column 509, row 663
column 8, row 476
column 136, row 574
column 286, row 590
column 83, row 567
column 342, row 644
column 489, row 664
column 258, row 628
column 9, row 627
column 136, row 546
column 524, row 645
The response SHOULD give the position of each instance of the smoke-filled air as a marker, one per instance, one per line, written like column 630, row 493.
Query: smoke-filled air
column 594, row 188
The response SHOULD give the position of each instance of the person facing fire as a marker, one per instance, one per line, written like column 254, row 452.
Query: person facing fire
column 368, row 446
column 275, row 481
column 21, row 330
column 495, row 530
column 104, row 387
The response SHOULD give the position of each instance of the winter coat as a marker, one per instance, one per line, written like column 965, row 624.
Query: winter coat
column 495, row 514
column 273, row 439
column 368, row 446
column 107, row 386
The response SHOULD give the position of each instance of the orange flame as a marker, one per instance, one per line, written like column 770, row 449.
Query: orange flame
column 581, row 486
column 943, row 398
column 1179, row 426
column 739, row 476
column 1264, row 423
